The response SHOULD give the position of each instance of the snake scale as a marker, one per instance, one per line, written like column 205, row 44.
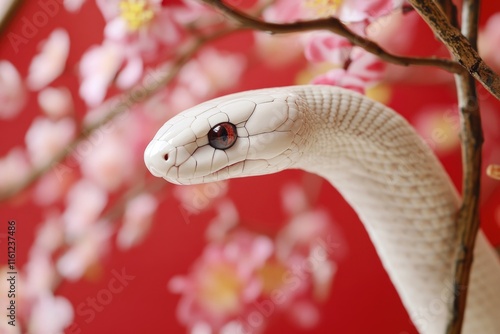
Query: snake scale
column 371, row 155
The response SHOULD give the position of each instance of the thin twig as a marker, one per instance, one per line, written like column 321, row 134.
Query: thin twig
column 139, row 93
column 336, row 26
column 472, row 140
column 9, row 14
column 459, row 46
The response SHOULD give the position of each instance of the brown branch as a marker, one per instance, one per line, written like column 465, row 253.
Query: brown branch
column 472, row 140
column 459, row 46
column 9, row 15
column 336, row 26
column 139, row 93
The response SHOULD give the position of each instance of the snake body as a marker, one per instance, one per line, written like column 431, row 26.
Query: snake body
column 373, row 157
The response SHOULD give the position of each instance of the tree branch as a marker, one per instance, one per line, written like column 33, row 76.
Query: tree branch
column 472, row 140
column 5, row 19
column 138, row 93
column 459, row 46
column 336, row 26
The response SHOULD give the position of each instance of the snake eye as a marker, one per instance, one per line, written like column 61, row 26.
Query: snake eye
column 222, row 136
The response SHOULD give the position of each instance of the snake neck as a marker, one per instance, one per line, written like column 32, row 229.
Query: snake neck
column 395, row 184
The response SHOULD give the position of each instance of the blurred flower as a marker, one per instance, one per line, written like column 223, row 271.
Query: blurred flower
column 198, row 197
column 50, row 314
column 360, row 71
column 326, row 46
column 211, row 72
column 488, row 38
column 226, row 219
column 53, row 185
column 84, row 203
column 12, row 92
column 55, row 102
column 137, row 220
column 50, row 62
column 50, row 234
column 98, row 67
column 223, row 282
column 284, row 11
column 73, row 5
column 40, row 274
column 110, row 160
column 45, row 138
column 14, row 168
column 85, row 251
column 439, row 127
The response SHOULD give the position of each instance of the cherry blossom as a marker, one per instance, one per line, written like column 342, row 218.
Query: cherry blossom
column 98, row 67
column 198, row 197
column 488, row 38
column 137, row 219
column 14, row 167
column 85, row 251
column 223, row 282
column 55, row 102
column 12, row 92
column 51, row 61
column 46, row 137
column 84, row 203
column 214, row 71
column 50, row 314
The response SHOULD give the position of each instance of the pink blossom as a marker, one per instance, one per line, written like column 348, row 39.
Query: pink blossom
column 55, row 102
column 51, row 61
column 198, row 197
column 361, row 71
column 73, row 6
column 84, row 203
column 137, row 220
column 50, row 235
column 98, row 67
column 223, row 282
column 226, row 219
column 40, row 274
column 109, row 162
column 46, row 137
column 53, row 185
column 14, row 168
column 326, row 46
column 85, row 251
column 488, row 39
column 212, row 71
column 50, row 314
column 342, row 78
column 12, row 92
column 284, row 11
column 439, row 126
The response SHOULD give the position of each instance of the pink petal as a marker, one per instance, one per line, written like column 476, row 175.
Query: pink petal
column 50, row 62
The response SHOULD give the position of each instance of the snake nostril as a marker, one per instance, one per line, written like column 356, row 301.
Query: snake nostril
column 165, row 156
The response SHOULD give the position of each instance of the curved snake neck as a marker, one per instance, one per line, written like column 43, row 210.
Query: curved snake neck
column 401, row 193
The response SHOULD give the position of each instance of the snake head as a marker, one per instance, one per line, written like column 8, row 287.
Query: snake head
column 237, row 135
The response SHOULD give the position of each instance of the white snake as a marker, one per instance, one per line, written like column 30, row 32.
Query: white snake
column 376, row 161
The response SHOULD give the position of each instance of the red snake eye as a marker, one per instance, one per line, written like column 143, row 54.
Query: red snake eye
column 222, row 136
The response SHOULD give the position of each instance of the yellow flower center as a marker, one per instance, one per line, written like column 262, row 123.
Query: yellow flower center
column 136, row 13
column 272, row 274
column 220, row 290
column 324, row 8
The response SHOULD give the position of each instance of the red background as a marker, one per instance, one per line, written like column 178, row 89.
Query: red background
column 362, row 298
